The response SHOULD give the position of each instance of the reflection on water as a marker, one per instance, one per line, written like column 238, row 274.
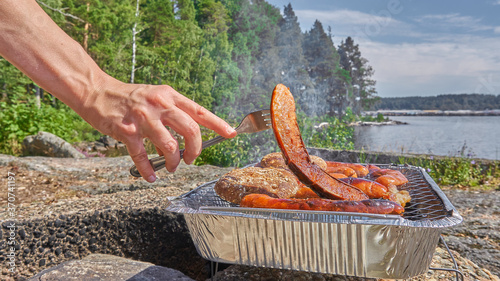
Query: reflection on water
column 473, row 136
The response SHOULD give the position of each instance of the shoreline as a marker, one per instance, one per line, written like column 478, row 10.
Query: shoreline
column 374, row 123
column 495, row 112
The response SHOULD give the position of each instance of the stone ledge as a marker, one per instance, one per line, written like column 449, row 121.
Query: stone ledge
column 108, row 268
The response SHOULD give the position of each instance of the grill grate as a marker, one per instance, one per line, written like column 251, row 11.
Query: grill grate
column 425, row 203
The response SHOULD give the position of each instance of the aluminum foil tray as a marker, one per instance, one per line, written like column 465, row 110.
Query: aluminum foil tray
column 354, row 244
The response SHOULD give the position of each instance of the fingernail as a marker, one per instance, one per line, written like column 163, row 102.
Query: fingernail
column 230, row 130
column 151, row 179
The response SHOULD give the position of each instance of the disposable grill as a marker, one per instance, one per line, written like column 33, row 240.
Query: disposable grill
column 353, row 244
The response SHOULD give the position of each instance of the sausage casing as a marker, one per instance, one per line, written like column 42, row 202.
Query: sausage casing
column 373, row 206
column 360, row 170
column 370, row 188
column 287, row 133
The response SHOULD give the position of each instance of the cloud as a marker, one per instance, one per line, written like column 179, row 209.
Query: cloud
column 432, row 68
column 446, row 22
column 427, row 55
column 357, row 24
column 497, row 2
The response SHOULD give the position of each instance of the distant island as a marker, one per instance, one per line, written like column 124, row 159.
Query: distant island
column 449, row 104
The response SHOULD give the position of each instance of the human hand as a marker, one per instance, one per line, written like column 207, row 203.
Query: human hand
column 132, row 112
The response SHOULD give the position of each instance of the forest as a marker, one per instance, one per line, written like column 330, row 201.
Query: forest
column 226, row 55
column 441, row 102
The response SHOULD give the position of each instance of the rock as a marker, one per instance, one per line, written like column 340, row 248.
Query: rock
column 108, row 141
column 108, row 268
column 249, row 273
column 47, row 144
column 368, row 123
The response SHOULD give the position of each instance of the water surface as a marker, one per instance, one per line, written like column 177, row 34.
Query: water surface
column 473, row 136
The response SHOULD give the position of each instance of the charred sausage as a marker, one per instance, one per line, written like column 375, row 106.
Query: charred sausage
column 349, row 172
column 361, row 171
column 370, row 188
column 287, row 133
column 388, row 177
column 373, row 206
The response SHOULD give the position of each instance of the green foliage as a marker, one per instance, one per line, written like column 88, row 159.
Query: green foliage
column 379, row 118
column 455, row 171
column 21, row 119
column 237, row 152
column 335, row 134
column 349, row 116
column 363, row 95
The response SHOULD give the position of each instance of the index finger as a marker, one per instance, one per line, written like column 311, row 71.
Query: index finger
column 205, row 118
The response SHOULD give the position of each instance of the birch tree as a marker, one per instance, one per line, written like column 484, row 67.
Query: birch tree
column 134, row 41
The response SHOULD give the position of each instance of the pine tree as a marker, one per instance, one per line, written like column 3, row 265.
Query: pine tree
column 324, row 70
column 360, row 72
column 290, row 69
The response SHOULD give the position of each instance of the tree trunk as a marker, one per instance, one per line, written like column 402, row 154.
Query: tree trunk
column 86, row 32
column 38, row 95
column 4, row 91
column 134, row 43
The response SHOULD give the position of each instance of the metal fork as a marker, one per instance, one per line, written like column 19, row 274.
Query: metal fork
column 252, row 123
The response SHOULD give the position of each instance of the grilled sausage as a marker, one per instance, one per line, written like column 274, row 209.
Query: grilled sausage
column 388, row 177
column 372, row 168
column 337, row 175
column 375, row 190
column 370, row 188
column 374, row 206
column 349, row 172
column 361, row 171
column 287, row 133
column 304, row 192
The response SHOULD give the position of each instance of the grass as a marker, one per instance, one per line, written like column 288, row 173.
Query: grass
column 458, row 172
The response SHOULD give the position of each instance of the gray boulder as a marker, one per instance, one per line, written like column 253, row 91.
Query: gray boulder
column 47, row 144
column 108, row 268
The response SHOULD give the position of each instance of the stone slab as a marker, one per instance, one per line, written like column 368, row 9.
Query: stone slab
column 101, row 267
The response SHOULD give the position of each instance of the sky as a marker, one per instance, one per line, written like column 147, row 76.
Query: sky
column 417, row 48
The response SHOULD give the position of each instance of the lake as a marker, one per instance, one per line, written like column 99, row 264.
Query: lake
column 473, row 136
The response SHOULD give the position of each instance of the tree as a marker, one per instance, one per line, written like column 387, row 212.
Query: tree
column 323, row 67
column 213, row 18
column 253, row 31
column 360, row 72
column 291, row 67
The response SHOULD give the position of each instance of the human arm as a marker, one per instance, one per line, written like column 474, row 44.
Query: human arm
column 32, row 42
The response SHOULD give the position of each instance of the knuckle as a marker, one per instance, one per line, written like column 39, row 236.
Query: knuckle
column 140, row 157
column 128, row 131
column 139, row 112
column 167, row 88
column 192, row 129
column 169, row 147
column 155, row 97
column 201, row 111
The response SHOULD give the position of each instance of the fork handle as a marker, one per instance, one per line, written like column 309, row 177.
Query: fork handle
column 158, row 163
